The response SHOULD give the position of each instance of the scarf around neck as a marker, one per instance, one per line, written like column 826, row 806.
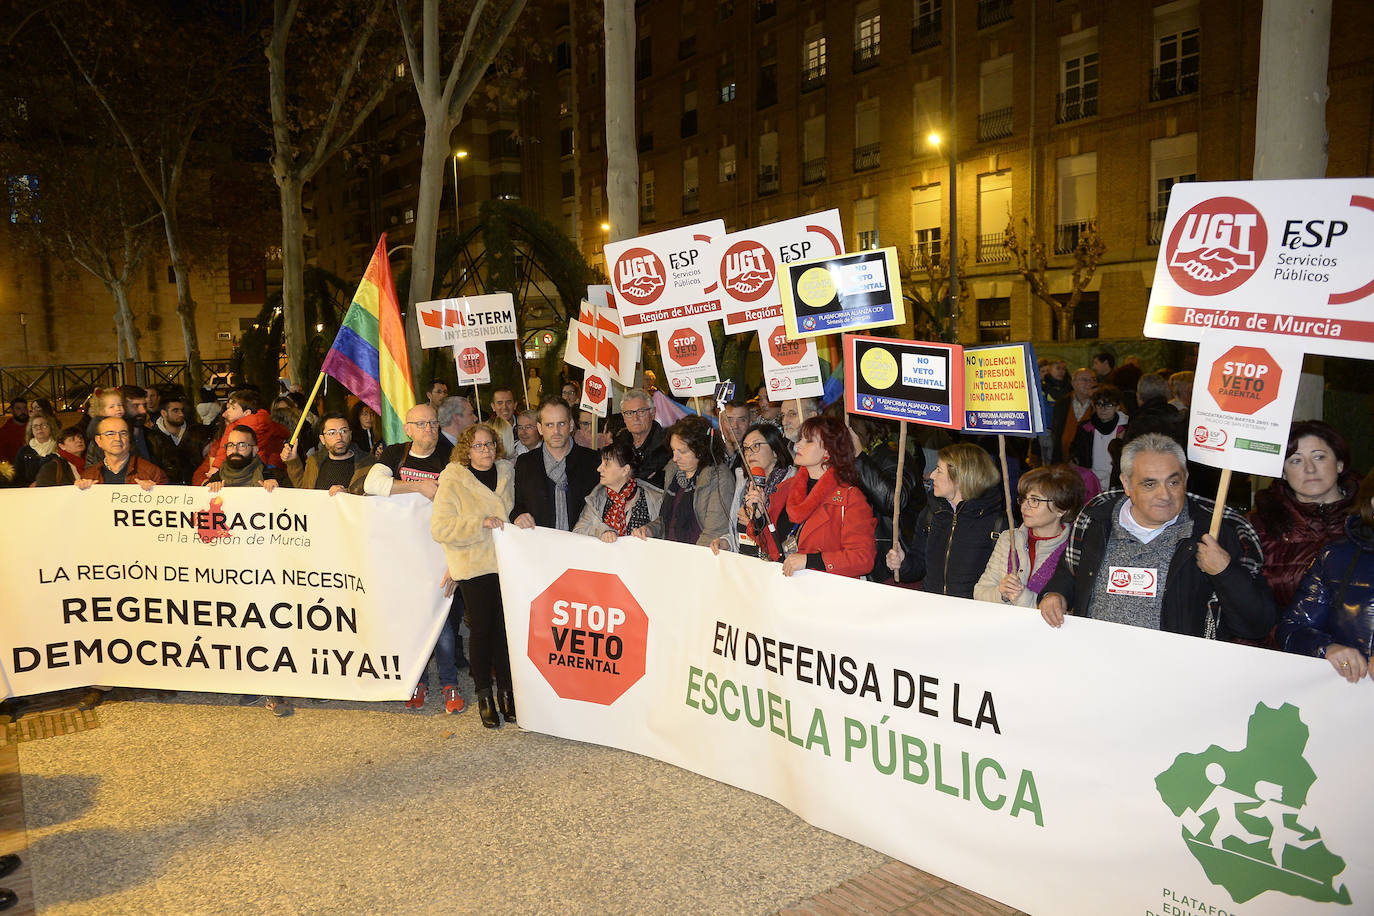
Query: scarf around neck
column 801, row 504
column 616, row 500
column 249, row 475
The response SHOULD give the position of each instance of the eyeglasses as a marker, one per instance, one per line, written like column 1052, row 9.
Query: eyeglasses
column 525, row 427
column 483, row 447
column 423, row 424
column 115, row 434
column 335, row 433
column 751, row 449
column 238, row 446
column 1105, row 402
column 643, row 411
column 1035, row 502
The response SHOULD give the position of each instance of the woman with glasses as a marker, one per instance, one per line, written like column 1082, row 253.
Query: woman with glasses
column 820, row 519
column 1092, row 447
column 767, row 463
column 621, row 504
column 42, row 442
column 476, row 494
column 696, row 498
column 1050, row 499
column 958, row 528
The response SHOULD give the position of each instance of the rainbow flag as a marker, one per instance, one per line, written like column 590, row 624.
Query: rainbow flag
column 369, row 353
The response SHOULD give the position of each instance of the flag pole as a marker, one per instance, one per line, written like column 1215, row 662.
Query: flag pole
column 308, row 401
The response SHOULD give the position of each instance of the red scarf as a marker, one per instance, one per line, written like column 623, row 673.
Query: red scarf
column 616, row 503
column 801, row 504
column 77, row 461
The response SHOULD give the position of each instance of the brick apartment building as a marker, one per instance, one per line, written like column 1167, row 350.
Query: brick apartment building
column 1066, row 111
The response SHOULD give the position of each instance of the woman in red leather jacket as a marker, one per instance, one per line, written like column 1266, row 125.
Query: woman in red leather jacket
column 821, row 519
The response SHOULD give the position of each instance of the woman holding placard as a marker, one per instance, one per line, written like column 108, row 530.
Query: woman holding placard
column 1332, row 614
column 958, row 528
column 1050, row 499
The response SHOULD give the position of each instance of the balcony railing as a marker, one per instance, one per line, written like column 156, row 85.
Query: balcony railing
column 926, row 251
column 769, row 180
column 813, row 171
column 691, row 201
column 994, row 125
column 686, row 47
column 813, row 77
column 1171, row 82
column 866, row 157
column 1074, row 105
column 1154, row 232
column 992, row 249
column 925, row 34
column 991, row 12
column 866, row 56
column 1066, row 236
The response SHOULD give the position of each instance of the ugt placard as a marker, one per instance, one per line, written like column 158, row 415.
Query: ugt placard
column 845, row 293
column 914, row 380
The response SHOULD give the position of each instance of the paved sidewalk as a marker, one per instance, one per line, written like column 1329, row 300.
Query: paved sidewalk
column 191, row 804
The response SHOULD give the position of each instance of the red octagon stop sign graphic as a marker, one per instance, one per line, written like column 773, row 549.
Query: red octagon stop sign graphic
column 472, row 360
column 687, row 347
column 1244, row 380
column 588, row 636
column 594, row 389
column 786, row 352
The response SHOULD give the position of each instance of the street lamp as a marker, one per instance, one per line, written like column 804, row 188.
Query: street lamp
column 951, row 246
column 457, row 154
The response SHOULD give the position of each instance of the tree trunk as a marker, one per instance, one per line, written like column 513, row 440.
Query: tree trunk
column 1290, row 113
column 622, row 156
column 1064, row 319
column 293, row 278
column 433, row 161
column 124, row 320
column 186, row 306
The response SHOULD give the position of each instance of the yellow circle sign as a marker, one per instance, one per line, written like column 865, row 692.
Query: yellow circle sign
column 815, row 287
column 879, row 368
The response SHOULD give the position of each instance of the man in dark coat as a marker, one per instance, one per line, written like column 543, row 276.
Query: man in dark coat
column 552, row 482
column 645, row 436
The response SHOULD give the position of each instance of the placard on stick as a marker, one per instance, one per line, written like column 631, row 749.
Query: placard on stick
column 445, row 322
column 842, row 293
column 1243, row 395
column 1002, row 390
column 916, row 380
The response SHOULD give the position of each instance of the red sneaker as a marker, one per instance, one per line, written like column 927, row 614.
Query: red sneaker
column 417, row 697
column 453, row 703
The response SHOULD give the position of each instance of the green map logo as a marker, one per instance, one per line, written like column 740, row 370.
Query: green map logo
column 1242, row 813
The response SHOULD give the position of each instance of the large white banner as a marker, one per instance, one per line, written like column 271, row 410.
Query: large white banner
column 1093, row 769
column 291, row 593
column 1285, row 258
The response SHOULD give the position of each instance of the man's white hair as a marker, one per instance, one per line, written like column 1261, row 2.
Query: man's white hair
column 1151, row 442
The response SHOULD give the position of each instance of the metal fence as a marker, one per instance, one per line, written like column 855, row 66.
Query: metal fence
column 69, row 386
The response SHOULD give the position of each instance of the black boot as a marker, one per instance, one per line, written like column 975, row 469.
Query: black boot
column 506, row 700
column 486, row 708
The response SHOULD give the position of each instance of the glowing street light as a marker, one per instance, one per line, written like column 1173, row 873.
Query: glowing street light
column 457, row 154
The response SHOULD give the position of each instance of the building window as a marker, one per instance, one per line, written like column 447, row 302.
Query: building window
column 994, row 320
column 245, row 285
column 926, row 208
column 565, row 141
column 995, row 98
column 1086, row 317
column 994, row 213
column 724, row 9
column 562, row 57
column 866, row 136
column 23, row 192
column 727, row 163
column 1172, row 160
column 648, row 209
column 769, row 173
column 569, row 184
column 1077, row 200
column 813, row 59
column 1077, row 77
column 927, row 117
column 925, row 29
column 644, row 60
column 813, row 150
column 506, row 185
column 408, row 216
column 691, row 184
column 1176, row 53
column 765, row 10
column 596, row 201
column 725, row 83
column 867, row 35
column 767, row 93
column 991, row 12
column 866, row 223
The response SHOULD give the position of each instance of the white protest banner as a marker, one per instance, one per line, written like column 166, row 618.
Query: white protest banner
column 663, row 278
column 444, row 322
column 289, row 593
column 1243, row 395
column 1094, row 769
column 1286, row 258
column 791, row 368
column 915, row 380
column 471, row 360
column 842, row 293
column 596, row 345
column 596, row 393
column 689, row 358
column 1002, row 390
column 749, row 266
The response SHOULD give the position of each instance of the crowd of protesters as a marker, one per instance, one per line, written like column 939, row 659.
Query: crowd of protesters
column 1109, row 519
